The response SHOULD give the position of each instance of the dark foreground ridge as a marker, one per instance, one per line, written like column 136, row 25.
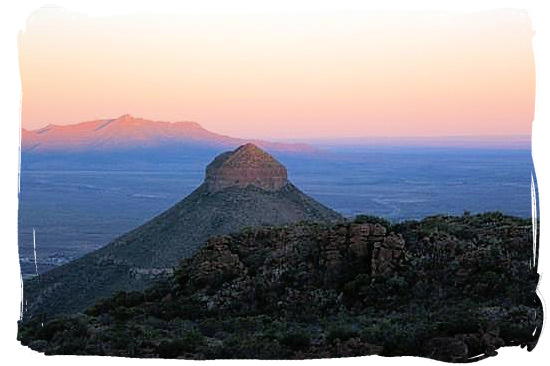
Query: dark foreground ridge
column 450, row 288
column 245, row 187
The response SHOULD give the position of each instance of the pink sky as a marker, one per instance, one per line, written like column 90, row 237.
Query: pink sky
column 293, row 75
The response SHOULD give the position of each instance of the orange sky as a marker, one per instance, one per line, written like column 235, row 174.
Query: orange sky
column 293, row 75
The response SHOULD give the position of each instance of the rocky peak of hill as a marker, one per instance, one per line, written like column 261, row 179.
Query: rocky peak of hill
column 246, row 166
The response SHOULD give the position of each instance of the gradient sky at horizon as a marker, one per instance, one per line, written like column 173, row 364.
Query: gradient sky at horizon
column 285, row 75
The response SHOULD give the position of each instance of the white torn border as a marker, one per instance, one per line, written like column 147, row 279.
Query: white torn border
column 534, row 263
column 539, row 15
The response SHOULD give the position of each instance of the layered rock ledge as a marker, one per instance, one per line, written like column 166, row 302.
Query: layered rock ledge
column 246, row 166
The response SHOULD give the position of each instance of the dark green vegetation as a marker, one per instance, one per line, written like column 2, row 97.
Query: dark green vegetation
column 449, row 288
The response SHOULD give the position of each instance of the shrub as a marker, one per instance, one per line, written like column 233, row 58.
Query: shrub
column 340, row 331
column 295, row 340
column 170, row 349
column 363, row 219
column 189, row 341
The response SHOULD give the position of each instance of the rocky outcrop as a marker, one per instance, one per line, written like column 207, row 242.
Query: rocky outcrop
column 246, row 166
column 215, row 263
column 384, row 252
column 306, row 262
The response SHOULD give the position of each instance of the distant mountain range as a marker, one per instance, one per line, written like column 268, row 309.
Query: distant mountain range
column 128, row 132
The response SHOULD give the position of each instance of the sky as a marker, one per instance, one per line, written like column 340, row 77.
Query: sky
column 285, row 75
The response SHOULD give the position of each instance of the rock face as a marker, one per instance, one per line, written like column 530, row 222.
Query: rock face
column 246, row 166
column 243, row 188
column 307, row 261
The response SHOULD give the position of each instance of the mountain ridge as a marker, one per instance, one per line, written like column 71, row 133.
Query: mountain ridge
column 127, row 131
